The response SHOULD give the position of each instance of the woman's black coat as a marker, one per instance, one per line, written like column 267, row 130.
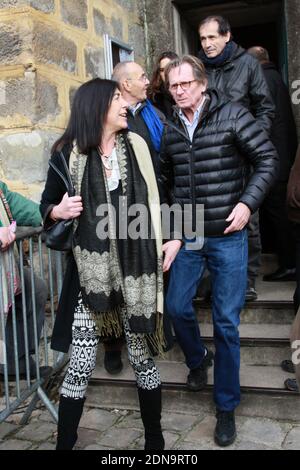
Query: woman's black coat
column 52, row 195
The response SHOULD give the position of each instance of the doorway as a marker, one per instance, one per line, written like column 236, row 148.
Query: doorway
column 253, row 22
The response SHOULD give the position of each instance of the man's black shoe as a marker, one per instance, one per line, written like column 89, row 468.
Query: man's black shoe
column 251, row 293
column 281, row 275
column 288, row 366
column 225, row 432
column 113, row 362
column 197, row 378
column 291, row 384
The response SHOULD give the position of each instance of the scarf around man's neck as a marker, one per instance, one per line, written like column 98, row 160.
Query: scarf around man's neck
column 220, row 59
column 108, row 283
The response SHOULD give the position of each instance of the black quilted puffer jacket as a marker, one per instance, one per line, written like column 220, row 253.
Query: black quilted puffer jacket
column 213, row 169
column 241, row 78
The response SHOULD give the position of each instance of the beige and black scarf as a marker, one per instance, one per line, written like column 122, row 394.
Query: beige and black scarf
column 108, row 283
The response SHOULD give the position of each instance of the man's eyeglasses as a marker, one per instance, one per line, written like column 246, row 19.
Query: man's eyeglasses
column 142, row 78
column 183, row 85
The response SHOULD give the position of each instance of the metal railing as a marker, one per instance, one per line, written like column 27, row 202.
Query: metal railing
column 27, row 362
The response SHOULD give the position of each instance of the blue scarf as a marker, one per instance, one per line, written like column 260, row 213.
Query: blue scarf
column 220, row 59
column 154, row 124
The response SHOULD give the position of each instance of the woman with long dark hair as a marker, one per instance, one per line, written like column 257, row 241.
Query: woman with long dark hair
column 157, row 92
column 113, row 284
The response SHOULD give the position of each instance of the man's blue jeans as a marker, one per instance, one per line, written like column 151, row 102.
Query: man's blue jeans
column 226, row 259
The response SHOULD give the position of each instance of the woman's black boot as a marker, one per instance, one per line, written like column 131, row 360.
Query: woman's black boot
column 69, row 414
column 150, row 405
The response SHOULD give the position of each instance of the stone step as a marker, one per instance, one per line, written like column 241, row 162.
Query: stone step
column 250, row 355
column 253, row 377
column 258, row 312
column 271, row 404
column 253, row 333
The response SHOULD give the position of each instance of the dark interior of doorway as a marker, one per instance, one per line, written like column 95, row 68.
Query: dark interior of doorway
column 258, row 35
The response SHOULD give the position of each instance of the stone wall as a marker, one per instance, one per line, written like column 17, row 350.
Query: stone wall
column 159, row 31
column 292, row 9
column 48, row 48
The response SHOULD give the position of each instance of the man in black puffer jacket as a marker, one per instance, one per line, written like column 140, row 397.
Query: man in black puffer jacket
column 239, row 76
column 205, row 157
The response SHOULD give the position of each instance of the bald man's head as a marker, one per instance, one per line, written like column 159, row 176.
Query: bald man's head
column 132, row 80
column 260, row 53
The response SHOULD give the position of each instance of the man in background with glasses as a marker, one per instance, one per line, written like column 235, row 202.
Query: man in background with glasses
column 143, row 118
column 205, row 155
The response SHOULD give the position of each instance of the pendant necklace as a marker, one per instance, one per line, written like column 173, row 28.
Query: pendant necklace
column 106, row 160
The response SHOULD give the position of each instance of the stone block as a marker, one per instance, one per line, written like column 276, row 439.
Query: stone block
column 15, row 444
column 99, row 420
column 11, row 43
column 6, row 428
column 117, row 27
column 46, row 104
column 114, row 439
column 37, row 432
column 128, row 5
column 180, row 422
column 11, row 3
column 94, row 62
column 63, row 51
column 74, row 15
column 46, row 6
column 262, row 431
column 17, row 97
column 30, row 148
column 101, row 24
column 292, row 441
column 136, row 37
column 203, row 432
column 132, row 420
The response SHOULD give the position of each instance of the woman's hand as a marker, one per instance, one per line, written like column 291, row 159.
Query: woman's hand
column 170, row 250
column 7, row 237
column 68, row 208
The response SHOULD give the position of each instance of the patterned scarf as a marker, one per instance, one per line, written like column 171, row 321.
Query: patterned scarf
column 109, row 283
column 8, row 267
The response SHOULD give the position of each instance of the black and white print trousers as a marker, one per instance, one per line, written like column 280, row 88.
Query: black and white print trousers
column 84, row 351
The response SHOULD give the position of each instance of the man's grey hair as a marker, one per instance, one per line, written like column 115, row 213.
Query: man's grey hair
column 260, row 53
column 194, row 62
column 120, row 72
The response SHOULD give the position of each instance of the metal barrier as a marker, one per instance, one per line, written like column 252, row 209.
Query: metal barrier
column 24, row 324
